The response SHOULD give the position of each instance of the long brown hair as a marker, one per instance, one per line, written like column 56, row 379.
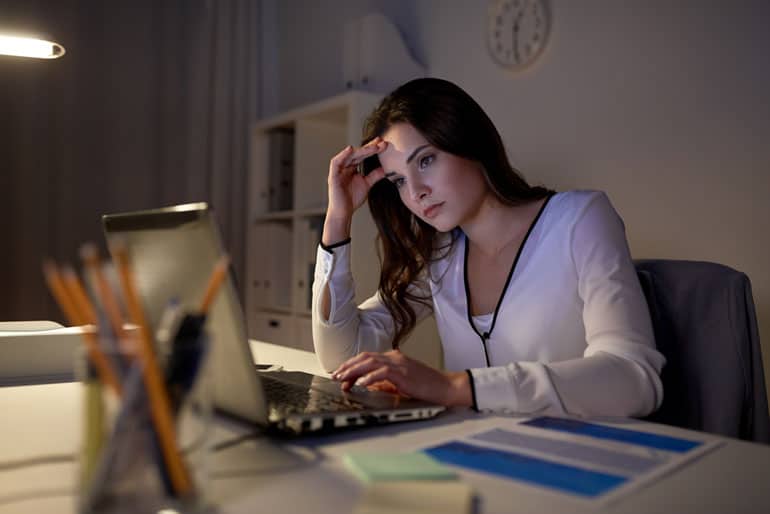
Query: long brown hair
column 453, row 122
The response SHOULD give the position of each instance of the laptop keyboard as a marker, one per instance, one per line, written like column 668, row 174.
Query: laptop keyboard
column 293, row 398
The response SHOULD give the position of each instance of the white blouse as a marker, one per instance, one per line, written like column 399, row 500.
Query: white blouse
column 572, row 333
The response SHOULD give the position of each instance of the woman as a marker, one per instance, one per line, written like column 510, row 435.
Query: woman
column 534, row 293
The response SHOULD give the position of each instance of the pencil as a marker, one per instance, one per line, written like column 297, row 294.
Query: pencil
column 90, row 256
column 88, row 316
column 76, row 316
column 160, row 407
column 215, row 281
column 79, row 297
column 56, row 286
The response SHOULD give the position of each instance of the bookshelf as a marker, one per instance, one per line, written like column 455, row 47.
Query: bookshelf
column 289, row 158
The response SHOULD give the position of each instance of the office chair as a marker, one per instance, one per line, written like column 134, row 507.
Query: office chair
column 705, row 325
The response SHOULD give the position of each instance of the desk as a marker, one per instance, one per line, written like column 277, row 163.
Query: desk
column 306, row 475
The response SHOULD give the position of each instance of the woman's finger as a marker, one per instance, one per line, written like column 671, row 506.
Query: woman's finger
column 338, row 160
column 362, row 368
column 337, row 373
column 366, row 377
column 388, row 373
column 373, row 147
column 375, row 176
column 392, row 357
column 352, row 362
column 376, row 375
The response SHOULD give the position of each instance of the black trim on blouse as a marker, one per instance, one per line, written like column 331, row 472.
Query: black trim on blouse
column 475, row 405
column 486, row 335
column 330, row 248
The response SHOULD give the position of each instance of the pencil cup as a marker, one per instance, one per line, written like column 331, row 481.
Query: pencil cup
column 124, row 458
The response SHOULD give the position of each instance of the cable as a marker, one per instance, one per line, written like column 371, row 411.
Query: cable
column 36, row 461
column 35, row 495
column 236, row 441
column 39, row 460
column 272, row 470
column 299, row 461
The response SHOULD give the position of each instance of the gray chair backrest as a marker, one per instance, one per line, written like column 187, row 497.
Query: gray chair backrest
column 705, row 325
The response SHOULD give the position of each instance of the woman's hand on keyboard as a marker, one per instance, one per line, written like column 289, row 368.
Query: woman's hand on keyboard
column 409, row 377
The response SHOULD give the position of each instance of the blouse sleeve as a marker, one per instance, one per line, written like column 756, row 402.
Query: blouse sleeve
column 618, row 374
column 350, row 329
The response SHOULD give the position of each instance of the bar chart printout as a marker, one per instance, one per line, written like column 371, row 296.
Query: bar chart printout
column 587, row 461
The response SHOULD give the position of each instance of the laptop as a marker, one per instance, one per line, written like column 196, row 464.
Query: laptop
column 173, row 251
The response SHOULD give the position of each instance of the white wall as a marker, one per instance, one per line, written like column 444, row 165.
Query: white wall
column 664, row 105
column 310, row 42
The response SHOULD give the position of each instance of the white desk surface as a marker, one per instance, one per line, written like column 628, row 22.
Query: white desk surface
column 306, row 475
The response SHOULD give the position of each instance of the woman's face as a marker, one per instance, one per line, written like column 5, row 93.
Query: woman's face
column 444, row 190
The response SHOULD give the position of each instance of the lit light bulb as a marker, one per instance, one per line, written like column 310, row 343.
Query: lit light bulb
column 30, row 47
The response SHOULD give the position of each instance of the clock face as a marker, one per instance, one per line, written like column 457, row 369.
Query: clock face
column 517, row 31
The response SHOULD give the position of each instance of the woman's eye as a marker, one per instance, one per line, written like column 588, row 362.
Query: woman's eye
column 426, row 161
column 398, row 182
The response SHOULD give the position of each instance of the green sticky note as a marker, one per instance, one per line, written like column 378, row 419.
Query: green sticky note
column 416, row 497
column 372, row 467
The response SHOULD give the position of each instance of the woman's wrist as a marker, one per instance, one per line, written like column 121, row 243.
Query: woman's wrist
column 336, row 229
column 459, row 393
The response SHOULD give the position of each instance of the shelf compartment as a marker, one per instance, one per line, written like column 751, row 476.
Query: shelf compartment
column 269, row 277
column 316, row 143
column 307, row 236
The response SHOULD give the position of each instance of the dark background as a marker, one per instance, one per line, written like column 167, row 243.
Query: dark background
column 149, row 107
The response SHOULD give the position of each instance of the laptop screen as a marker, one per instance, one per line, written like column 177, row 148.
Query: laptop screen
column 173, row 251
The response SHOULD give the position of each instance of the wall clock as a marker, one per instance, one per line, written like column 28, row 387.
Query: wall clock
column 517, row 31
